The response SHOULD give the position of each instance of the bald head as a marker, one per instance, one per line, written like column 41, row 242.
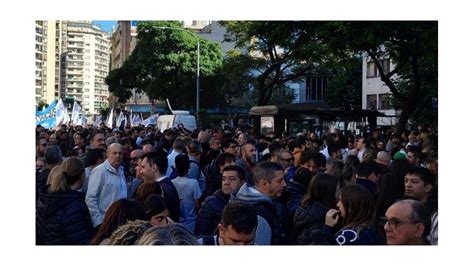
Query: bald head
column 412, row 221
column 148, row 148
column 383, row 157
column 136, row 153
column 115, row 154
column 203, row 137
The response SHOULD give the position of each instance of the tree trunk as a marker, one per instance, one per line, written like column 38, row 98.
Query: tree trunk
column 407, row 110
column 261, row 92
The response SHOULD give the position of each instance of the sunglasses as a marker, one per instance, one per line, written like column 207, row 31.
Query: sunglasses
column 288, row 160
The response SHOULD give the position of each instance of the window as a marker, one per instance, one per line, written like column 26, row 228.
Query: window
column 385, row 66
column 371, row 70
column 371, row 101
column 384, row 101
column 315, row 88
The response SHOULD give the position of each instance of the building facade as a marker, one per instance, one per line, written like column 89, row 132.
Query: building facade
column 47, row 60
column 375, row 93
column 85, row 65
column 124, row 39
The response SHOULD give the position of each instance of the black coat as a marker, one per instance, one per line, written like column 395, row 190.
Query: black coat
column 210, row 214
column 296, row 193
column 41, row 178
column 62, row 219
column 269, row 212
column 313, row 215
column 213, row 179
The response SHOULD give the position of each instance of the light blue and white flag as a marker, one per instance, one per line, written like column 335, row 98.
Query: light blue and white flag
column 76, row 109
column 61, row 112
column 47, row 117
column 150, row 120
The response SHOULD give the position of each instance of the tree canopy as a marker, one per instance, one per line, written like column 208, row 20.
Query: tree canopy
column 164, row 64
column 411, row 45
column 278, row 53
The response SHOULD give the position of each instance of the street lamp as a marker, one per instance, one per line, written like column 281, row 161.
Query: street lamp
column 197, row 72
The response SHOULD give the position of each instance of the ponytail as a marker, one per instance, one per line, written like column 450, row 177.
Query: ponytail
column 63, row 176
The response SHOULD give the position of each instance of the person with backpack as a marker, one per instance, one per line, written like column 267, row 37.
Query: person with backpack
column 194, row 153
column 178, row 148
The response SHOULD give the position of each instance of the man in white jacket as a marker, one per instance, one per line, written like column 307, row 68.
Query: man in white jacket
column 106, row 184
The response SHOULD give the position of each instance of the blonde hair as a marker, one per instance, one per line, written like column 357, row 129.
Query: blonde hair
column 63, row 176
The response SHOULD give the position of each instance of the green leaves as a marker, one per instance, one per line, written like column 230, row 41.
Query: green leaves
column 164, row 64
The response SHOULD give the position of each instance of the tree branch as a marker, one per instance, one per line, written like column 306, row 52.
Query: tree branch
column 385, row 78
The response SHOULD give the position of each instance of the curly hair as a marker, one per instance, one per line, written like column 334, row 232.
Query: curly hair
column 129, row 233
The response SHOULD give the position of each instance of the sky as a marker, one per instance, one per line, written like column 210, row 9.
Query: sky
column 106, row 25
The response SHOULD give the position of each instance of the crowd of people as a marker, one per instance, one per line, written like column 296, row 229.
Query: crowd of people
column 140, row 186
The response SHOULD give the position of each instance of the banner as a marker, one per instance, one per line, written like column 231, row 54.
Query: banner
column 150, row 120
column 47, row 117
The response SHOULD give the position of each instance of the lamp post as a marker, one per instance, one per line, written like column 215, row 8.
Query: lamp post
column 197, row 72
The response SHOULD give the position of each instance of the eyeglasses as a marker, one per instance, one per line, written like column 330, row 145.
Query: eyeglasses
column 288, row 159
column 394, row 223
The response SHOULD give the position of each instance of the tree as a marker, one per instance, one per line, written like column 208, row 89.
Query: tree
column 42, row 103
column 344, row 86
column 411, row 45
column 164, row 64
column 279, row 52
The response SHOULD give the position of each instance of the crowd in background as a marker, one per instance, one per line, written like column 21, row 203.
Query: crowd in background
column 139, row 186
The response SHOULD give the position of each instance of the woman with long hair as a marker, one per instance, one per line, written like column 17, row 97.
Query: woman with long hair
column 310, row 215
column 62, row 216
column 357, row 211
column 118, row 213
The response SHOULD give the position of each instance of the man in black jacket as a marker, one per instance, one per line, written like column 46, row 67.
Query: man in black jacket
column 210, row 214
column 269, row 182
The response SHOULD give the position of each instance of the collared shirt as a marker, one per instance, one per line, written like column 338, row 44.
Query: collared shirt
column 106, row 185
column 360, row 154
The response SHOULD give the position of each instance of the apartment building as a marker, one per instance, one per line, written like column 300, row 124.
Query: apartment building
column 47, row 60
column 85, row 65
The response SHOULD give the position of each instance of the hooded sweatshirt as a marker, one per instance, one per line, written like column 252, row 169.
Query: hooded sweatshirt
column 264, row 207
